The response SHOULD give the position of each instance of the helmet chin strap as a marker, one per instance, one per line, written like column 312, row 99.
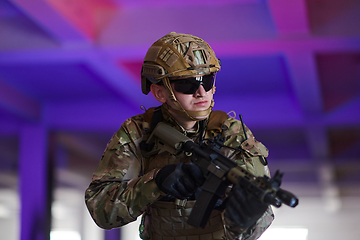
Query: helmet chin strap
column 192, row 115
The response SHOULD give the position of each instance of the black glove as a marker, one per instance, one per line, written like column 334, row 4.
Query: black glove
column 243, row 209
column 179, row 180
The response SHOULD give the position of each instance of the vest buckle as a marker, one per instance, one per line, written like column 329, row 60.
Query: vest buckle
column 180, row 203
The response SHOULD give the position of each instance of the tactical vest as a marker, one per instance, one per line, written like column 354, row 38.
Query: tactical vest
column 168, row 220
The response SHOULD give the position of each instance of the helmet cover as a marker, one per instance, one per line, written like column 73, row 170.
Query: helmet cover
column 177, row 55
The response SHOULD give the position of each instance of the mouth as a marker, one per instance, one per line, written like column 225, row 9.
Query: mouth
column 201, row 103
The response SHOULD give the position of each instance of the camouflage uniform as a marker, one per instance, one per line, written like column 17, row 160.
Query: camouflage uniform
column 123, row 185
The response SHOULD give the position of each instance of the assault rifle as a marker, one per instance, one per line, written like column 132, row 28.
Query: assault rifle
column 219, row 172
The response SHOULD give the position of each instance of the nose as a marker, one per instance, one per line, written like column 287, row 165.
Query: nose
column 200, row 92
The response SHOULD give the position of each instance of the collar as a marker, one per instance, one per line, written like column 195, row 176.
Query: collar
column 168, row 118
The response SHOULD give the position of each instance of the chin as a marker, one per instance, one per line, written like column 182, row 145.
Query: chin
column 201, row 117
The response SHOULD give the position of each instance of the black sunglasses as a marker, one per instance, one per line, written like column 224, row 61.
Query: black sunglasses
column 191, row 85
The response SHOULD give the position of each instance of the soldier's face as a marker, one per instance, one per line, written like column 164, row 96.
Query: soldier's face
column 198, row 101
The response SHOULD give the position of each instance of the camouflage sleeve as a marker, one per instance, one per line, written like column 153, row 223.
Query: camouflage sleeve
column 119, row 193
column 250, row 160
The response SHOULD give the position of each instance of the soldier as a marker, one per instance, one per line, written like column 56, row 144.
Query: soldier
column 179, row 70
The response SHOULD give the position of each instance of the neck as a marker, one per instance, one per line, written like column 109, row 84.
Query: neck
column 184, row 121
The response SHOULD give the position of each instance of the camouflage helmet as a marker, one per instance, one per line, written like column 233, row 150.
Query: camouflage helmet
column 177, row 55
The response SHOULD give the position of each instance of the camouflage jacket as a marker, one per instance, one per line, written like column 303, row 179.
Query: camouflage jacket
column 123, row 185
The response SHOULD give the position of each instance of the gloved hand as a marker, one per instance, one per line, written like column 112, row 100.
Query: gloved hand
column 179, row 180
column 243, row 209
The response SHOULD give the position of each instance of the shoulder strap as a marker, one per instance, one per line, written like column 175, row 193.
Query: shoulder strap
column 152, row 116
column 216, row 120
column 156, row 118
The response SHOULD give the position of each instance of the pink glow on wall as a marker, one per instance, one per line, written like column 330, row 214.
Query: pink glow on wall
column 90, row 16
column 134, row 68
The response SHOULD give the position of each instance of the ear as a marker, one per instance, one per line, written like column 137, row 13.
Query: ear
column 159, row 92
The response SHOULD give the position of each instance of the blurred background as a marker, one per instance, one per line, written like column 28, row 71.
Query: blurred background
column 70, row 75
